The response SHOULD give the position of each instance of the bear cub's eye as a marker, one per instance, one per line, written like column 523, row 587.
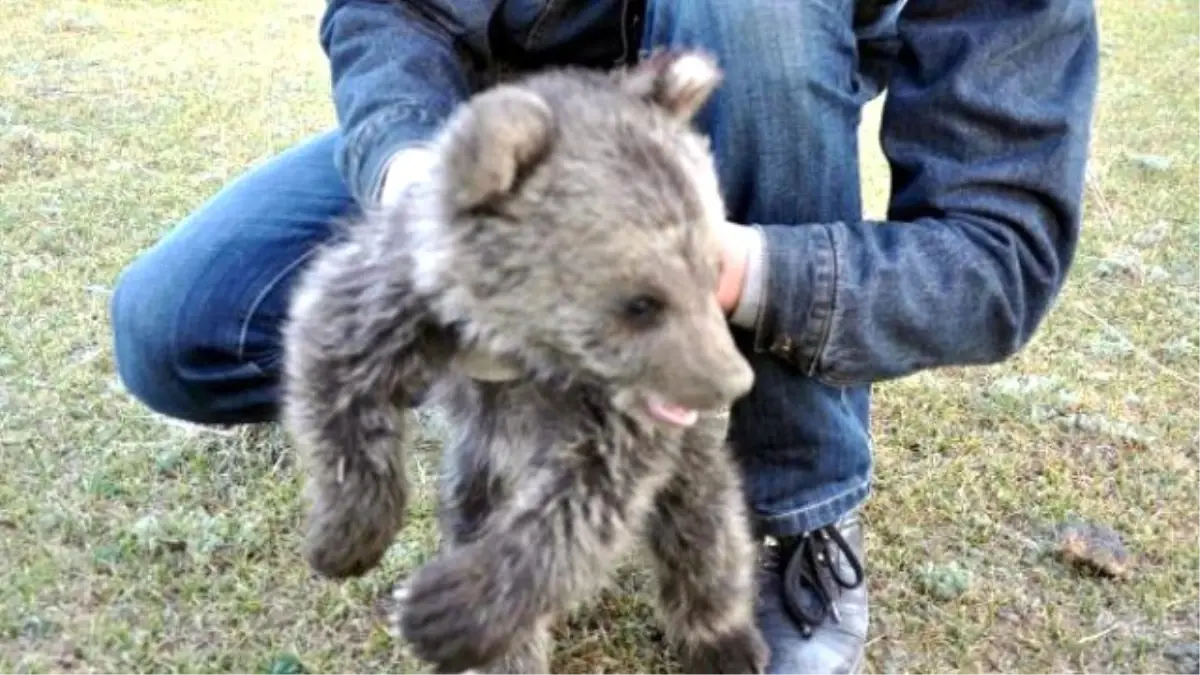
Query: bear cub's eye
column 642, row 309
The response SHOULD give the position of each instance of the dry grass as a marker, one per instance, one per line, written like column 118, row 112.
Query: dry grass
column 130, row 544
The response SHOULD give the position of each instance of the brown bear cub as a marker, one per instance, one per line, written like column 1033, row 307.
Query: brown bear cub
column 552, row 287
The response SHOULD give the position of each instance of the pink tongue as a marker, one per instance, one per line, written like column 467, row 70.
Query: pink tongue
column 671, row 413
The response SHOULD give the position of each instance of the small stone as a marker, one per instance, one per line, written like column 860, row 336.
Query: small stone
column 1095, row 547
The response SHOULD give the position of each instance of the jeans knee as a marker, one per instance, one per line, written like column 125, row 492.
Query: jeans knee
column 143, row 341
column 158, row 362
column 180, row 343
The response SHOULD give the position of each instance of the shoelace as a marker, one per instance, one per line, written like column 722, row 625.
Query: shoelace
column 808, row 554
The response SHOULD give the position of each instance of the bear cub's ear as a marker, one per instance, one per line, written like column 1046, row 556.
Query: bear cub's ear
column 491, row 141
column 681, row 81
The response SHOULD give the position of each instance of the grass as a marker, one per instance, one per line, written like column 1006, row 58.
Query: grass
column 130, row 544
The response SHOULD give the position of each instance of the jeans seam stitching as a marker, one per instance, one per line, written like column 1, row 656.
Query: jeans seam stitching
column 813, row 340
column 535, row 31
column 258, row 300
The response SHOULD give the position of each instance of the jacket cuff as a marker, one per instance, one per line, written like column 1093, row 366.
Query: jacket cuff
column 798, row 294
column 366, row 154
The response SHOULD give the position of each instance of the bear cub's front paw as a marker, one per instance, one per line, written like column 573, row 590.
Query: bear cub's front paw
column 351, row 526
column 740, row 651
column 449, row 617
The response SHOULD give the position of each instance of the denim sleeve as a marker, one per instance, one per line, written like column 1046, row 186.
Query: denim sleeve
column 986, row 128
column 398, row 68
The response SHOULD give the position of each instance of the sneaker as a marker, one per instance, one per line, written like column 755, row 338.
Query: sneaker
column 813, row 600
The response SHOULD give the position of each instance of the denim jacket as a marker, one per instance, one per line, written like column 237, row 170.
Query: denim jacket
column 987, row 174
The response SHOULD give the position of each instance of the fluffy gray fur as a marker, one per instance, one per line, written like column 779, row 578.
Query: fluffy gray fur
column 567, row 232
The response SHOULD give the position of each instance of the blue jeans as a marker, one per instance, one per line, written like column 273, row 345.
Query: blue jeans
column 196, row 318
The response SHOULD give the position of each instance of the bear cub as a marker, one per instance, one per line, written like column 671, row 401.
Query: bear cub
column 551, row 286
